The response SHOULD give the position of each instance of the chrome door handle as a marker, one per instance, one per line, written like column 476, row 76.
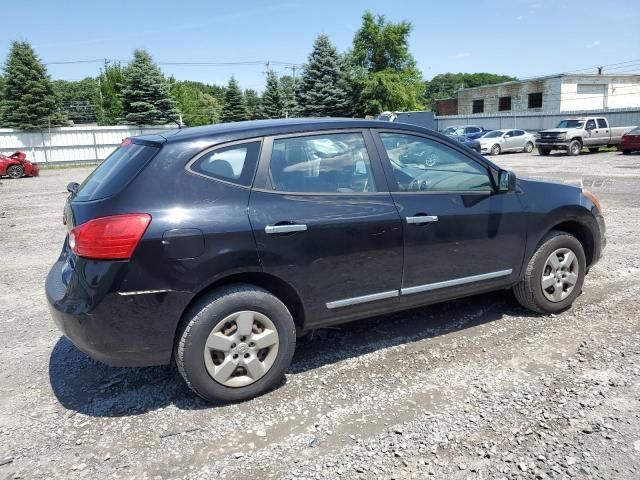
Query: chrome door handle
column 420, row 219
column 288, row 228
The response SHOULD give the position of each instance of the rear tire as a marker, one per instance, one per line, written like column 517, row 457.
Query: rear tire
column 545, row 152
column 15, row 171
column 528, row 147
column 225, row 335
column 568, row 279
column 626, row 152
column 574, row 148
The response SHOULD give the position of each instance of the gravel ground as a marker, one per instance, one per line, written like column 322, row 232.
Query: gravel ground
column 475, row 388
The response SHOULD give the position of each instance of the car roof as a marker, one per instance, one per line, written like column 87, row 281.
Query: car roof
column 258, row 128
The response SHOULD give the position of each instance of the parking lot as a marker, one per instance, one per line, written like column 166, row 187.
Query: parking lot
column 475, row 388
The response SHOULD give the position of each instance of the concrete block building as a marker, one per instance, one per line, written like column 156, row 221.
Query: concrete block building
column 554, row 93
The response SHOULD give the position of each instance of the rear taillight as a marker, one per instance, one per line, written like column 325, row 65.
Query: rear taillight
column 109, row 238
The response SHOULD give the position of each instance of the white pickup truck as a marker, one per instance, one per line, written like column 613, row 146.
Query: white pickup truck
column 574, row 134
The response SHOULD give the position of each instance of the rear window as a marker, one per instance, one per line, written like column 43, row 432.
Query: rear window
column 115, row 172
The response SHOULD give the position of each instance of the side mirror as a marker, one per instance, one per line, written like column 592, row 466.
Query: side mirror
column 507, row 181
column 72, row 187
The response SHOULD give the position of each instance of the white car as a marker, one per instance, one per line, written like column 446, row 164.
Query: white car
column 512, row 140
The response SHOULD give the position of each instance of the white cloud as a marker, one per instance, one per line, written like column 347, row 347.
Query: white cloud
column 462, row 54
column 519, row 17
column 595, row 43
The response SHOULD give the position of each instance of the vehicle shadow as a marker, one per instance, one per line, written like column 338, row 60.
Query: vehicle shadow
column 89, row 387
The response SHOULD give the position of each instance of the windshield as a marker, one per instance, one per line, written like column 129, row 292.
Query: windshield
column 570, row 124
column 450, row 130
column 494, row 134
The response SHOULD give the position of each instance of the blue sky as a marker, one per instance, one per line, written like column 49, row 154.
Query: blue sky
column 518, row 37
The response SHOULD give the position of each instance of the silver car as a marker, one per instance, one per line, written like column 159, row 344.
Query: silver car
column 512, row 140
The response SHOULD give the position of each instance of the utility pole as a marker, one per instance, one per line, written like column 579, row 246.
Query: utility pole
column 293, row 69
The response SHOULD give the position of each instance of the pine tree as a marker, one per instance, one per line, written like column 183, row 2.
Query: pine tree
column 146, row 99
column 272, row 106
column 322, row 89
column 28, row 101
column 253, row 102
column 234, row 108
column 289, row 87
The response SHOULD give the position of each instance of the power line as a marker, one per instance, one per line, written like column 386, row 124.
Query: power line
column 194, row 64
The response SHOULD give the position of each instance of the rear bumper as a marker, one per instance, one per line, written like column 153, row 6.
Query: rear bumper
column 119, row 330
column 628, row 145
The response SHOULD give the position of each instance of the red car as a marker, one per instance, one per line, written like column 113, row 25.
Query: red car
column 630, row 141
column 16, row 165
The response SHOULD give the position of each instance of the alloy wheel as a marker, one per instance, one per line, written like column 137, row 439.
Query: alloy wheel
column 241, row 349
column 560, row 274
column 15, row 171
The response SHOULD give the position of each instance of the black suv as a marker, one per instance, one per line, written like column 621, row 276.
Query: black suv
column 217, row 245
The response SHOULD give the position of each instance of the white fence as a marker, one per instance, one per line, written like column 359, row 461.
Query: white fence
column 69, row 145
column 535, row 121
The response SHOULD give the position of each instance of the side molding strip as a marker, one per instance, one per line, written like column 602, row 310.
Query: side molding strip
column 454, row 282
column 417, row 289
column 144, row 292
column 365, row 298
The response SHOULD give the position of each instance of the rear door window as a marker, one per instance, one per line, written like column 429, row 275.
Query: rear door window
column 329, row 163
column 602, row 123
column 115, row 172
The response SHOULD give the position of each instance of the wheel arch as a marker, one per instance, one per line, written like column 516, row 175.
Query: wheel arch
column 271, row 283
column 580, row 231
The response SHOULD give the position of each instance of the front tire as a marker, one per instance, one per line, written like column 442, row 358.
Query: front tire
column 554, row 276
column 626, row 152
column 594, row 149
column 495, row 150
column 574, row 148
column 235, row 344
column 15, row 171
column 545, row 152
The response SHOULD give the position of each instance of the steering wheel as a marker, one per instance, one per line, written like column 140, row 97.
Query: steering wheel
column 418, row 183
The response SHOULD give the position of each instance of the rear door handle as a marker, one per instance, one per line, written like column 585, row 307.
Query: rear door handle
column 287, row 228
column 422, row 219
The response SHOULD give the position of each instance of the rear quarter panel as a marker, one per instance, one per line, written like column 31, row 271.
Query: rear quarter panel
column 213, row 213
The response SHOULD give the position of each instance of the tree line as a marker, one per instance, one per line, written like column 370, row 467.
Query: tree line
column 378, row 73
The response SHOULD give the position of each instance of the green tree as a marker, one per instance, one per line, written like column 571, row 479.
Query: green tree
column 446, row 85
column 78, row 100
column 110, row 86
column 384, row 72
column 322, row 87
column 253, row 102
column 146, row 99
column 288, row 87
column 272, row 106
column 197, row 106
column 234, row 109
column 28, row 101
